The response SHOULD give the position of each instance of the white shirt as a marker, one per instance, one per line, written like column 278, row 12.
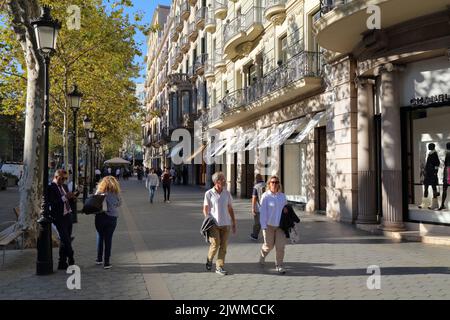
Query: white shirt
column 218, row 206
column 152, row 180
column 272, row 205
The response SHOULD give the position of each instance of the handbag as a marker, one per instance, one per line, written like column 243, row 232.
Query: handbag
column 94, row 204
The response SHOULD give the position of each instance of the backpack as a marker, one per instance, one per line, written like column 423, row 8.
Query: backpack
column 260, row 189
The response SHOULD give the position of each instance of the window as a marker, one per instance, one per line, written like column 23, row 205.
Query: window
column 185, row 101
column 251, row 75
column 282, row 50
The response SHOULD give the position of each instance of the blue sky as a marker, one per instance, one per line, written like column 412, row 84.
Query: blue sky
column 147, row 7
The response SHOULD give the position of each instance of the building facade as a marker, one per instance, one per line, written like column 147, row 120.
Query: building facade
column 343, row 115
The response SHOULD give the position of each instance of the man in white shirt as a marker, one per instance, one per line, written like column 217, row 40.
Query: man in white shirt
column 218, row 204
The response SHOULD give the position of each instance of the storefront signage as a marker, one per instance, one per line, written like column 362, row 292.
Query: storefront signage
column 424, row 101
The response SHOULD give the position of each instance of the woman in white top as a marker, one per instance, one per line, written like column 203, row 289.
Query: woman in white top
column 272, row 205
column 152, row 182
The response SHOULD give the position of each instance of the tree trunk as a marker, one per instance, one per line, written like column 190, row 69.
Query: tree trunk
column 22, row 11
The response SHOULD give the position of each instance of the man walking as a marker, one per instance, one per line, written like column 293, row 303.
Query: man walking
column 258, row 189
column 59, row 204
column 151, row 182
column 218, row 204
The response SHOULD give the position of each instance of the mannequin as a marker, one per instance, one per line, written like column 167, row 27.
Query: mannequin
column 445, row 178
column 431, row 179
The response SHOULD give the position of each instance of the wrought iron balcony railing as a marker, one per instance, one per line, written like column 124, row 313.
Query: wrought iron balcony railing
column 200, row 17
column 328, row 5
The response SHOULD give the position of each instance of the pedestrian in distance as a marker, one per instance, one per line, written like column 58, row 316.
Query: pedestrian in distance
column 258, row 190
column 59, row 199
column 118, row 173
column 151, row 183
column 166, row 179
column 218, row 204
column 106, row 222
column 273, row 203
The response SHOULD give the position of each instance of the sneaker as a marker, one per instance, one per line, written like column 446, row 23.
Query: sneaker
column 221, row 271
column 252, row 237
column 280, row 270
column 208, row 264
column 107, row 265
column 98, row 262
column 262, row 260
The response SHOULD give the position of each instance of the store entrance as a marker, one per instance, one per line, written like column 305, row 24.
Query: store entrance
column 320, row 168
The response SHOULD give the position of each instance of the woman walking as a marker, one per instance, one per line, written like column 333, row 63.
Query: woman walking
column 272, row 206
column 106, row 222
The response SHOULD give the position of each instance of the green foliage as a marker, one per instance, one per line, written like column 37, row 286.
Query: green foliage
column 98, row 58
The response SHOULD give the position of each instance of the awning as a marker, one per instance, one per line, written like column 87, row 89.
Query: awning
column 257, row 139
column 311, row 124
column 238, row 143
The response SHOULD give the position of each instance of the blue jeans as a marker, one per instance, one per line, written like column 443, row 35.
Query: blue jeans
column 151, row 191
column 105, row 226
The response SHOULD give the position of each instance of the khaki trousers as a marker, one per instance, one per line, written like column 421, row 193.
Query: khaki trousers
column 218, row 237
column 274, row 236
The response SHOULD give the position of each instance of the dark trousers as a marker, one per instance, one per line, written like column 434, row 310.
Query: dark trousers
column 435, row 193
column 105, row 226
column 64, row 226
column 256, row 226
column 166, row 188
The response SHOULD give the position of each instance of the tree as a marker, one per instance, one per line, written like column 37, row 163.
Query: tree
column 98, row 57
column 20, row 13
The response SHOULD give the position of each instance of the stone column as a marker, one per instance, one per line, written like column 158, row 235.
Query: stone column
column 391, row 151
column 366, row 174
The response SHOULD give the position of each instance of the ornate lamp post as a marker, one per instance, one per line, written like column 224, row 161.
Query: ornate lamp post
column 91, row 142
column 46, row 32
column 87, row 125
column 74, row 98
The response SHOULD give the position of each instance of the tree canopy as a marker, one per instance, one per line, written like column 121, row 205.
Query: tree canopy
column 98, row 57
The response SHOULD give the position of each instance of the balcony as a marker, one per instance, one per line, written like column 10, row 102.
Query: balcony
column 209, row 70
column 220, row 9
column 298, row 77
column 343, row 22
column 173, row 62
column 199, row 65
column 191, row 74
column 185, row 10
column 219, row 62
column 179, row 81
column 179, row 24
column 192, row 2
column 185, row 44
column 275, row 11
column 200, row 18
column 178, row 55
column 240, row 34
column 174, row 35
column 192, row 32
column 147, row 141
column 210, row 22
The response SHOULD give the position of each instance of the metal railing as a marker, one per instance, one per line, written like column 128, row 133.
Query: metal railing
column 200, row 61
column 304, row 64
column 272, row 3
column 328, row 5
column 200, row 16
column 242, row 23
column 185, row 10
column 219, row 5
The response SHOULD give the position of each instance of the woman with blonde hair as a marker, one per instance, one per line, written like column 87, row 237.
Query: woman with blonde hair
column 272, row 206
column 106, row 222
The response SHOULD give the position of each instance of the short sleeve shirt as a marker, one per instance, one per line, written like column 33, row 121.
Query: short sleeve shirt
column 218, row 206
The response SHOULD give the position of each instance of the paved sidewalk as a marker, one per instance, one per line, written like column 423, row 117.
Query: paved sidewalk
column 158, row 253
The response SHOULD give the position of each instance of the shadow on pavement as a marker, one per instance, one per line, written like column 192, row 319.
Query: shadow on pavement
column 293, row 269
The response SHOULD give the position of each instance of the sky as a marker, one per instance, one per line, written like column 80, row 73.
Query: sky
column 147, row 7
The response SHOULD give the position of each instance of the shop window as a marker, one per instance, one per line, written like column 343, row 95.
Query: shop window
column 428, row 157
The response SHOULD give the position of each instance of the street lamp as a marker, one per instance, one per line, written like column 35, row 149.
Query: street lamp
column 74, row 98
column 97, row 149
column 46, row 32
column 91, row 141
column 87, row 125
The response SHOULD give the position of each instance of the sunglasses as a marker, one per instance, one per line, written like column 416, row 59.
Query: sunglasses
column 275, row 182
